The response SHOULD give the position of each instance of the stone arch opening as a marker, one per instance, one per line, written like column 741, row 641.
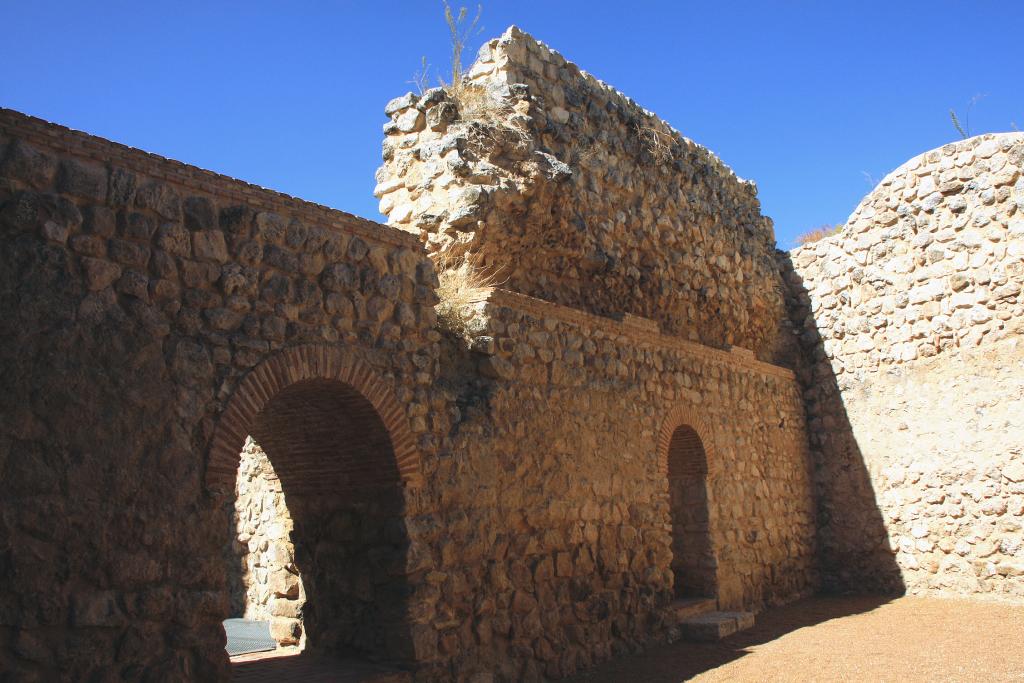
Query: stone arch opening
column 693, row 559
column 318, row 524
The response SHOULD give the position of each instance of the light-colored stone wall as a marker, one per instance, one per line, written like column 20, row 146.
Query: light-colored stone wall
column 638, row 282
column 565, row 189
column 268, row 580
column 560, row 479
column 916, row 385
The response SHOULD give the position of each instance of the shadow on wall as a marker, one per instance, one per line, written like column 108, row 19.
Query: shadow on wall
column 854, row 552
column 236, row 554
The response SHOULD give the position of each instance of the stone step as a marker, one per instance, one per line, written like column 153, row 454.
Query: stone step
column 684, row 608
column 712, row 626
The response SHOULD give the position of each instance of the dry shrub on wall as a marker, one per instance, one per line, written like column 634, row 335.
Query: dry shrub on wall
column 656, row 142
column 499, row 124
column 461, row 281
column 819, row 233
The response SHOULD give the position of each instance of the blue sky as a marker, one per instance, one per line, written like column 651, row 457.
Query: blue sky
column 808, row 99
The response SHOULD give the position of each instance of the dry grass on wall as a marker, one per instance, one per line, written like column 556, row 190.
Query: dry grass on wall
column 819, row 233
column 461, row 281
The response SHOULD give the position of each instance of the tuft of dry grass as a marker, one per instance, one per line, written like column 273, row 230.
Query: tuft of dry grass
column 656, row 142
column 494, row 124
column 582, row 153
column 461, row 281
column 819, row 233
column 498, row 121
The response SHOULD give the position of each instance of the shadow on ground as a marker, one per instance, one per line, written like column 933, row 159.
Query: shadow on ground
column 680, row 661
column 854, row 551
column 309, row 667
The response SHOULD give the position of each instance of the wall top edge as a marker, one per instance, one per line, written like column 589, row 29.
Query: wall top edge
column 60, row 138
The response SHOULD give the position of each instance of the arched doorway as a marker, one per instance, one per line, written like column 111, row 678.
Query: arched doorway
column 320, row 462
column 693, row 558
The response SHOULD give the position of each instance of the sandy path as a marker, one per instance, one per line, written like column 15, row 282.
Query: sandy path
column 847, row 639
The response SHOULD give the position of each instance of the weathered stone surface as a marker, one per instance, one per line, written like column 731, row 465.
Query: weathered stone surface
column 210, row 246
column 221, row 401
column 914, row 375
column 268, row 584
column 124, row 339
column 84, row 180
column 569, row 191
column 100, row 274
column 26, row 163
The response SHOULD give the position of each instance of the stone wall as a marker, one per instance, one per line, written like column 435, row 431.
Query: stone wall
column 563, row 188
column 493, row 500
column 913, row 325
column 267, row 585
column 156, row 314
column 559, row 474
column 494, row 503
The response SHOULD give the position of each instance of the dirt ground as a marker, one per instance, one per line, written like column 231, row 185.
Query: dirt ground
column 846, row 639
column 870, row 639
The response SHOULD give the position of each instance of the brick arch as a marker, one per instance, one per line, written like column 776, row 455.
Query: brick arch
column 685, row 416
column 686, row 463
column 290, row 367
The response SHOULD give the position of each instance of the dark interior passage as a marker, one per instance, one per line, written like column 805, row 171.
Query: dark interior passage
column 333, row 456
column 693, row 559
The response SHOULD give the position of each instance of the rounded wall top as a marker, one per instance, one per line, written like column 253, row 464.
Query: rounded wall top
column 937, row 183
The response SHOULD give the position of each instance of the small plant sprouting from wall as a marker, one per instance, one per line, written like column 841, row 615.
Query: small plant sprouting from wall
column 819, row 233
column 460, row 32
column 964, row 129
column 421, row 78
column 497, row 127
column 956, row 124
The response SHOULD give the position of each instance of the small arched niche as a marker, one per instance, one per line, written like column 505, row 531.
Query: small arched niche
column 693, row 558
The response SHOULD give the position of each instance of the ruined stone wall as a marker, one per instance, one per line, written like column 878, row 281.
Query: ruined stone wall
column 267, row 585
column 562, row 188
column 493, row 503
column 912, row 323
column 559, row 475
column 140, row 297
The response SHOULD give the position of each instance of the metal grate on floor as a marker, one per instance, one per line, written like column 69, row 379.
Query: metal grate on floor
column 245, row 636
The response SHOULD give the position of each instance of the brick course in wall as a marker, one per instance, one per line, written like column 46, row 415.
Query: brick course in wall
column 368, row 399
column 686, row 457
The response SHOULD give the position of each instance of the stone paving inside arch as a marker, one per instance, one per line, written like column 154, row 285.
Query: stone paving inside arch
column 219, row 401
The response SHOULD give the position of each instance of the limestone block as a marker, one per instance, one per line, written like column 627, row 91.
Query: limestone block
column 286, row 631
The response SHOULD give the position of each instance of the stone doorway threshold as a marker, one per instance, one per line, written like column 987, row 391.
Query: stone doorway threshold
column 288, row 664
